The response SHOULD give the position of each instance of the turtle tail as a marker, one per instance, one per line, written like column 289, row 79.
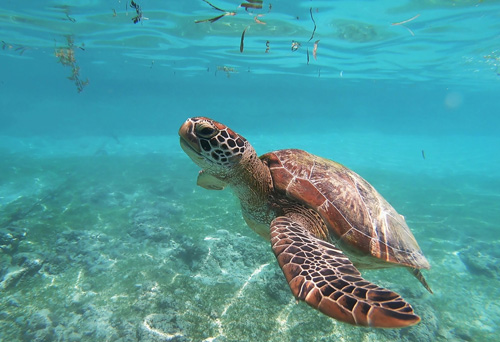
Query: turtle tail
column 418, row 274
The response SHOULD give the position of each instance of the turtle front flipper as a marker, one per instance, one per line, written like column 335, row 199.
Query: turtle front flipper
column 209, row 182
column 322, row 276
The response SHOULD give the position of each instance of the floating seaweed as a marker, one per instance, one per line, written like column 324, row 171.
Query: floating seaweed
column 257, row 20
column 267, row 46
column 214, row 19
column 73, row 20
column 18, row 48
column 67, row 57
column 423, row 154
column 226, row 69
column 6, row 45
column 315, row 49
column 254, row 4
column 66, row 10
column 307, row 56
column 139, row 17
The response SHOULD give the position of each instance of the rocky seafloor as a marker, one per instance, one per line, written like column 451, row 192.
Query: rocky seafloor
column 109, row 247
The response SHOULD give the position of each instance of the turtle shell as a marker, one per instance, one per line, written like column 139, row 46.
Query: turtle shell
column 359, row 219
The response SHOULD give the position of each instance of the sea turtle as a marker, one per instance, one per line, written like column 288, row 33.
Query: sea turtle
column 321, row 219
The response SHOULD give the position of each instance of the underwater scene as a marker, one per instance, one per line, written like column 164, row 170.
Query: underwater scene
column 105, row 234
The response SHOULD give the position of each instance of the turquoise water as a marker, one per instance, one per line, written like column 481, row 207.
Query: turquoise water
column 104, row 234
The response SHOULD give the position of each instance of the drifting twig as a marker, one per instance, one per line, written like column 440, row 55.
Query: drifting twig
column 406, row 21
column 214, row 19
column 242, row 38
column 314, row 22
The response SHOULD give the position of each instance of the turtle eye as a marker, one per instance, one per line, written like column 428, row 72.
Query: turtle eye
column 205, row 130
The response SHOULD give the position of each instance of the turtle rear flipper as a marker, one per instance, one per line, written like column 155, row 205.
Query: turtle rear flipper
column 321, row 275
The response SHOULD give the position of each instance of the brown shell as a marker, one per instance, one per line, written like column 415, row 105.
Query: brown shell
column 359, row 219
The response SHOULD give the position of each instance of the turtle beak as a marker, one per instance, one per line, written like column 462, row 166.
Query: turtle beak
column 187, row 137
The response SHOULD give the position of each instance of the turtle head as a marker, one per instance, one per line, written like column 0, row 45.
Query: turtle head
column 212, row 146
